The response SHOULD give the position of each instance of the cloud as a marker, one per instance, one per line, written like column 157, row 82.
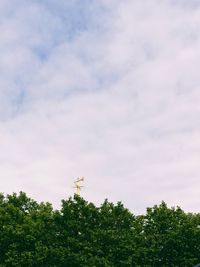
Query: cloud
column 110, row 92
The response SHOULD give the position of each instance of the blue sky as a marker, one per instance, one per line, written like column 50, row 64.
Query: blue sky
column 104, row 89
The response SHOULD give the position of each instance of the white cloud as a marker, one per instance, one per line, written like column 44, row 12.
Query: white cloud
column 116, row 100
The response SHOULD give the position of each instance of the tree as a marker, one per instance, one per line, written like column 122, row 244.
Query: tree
column 169, row 237
column 81, row 234
column 26, row 230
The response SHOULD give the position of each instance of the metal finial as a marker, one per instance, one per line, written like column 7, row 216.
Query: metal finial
column 78, row 185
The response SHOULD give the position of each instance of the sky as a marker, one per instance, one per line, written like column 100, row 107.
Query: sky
column 108, row 90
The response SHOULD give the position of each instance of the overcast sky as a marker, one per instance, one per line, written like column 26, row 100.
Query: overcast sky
column 106, row 89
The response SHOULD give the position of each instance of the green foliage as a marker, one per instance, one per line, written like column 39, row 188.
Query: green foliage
column 81, row 234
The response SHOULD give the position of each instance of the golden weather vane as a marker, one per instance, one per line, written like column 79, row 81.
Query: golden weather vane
column 78, row 185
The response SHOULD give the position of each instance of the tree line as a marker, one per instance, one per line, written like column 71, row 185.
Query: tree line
column 82, row 234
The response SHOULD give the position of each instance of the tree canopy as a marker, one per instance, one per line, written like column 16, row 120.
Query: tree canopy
column 82, row 234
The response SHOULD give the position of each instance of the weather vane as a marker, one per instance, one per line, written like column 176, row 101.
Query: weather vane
column 78, row 185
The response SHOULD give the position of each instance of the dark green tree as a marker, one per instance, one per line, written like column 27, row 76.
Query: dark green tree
column 26, row 231
column 81, row 234
column 169, row 237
